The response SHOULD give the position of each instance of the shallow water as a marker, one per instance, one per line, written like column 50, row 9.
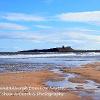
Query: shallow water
column 88, row 88
column 13, row 63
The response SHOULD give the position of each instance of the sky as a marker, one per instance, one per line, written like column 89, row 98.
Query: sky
column 38, row 24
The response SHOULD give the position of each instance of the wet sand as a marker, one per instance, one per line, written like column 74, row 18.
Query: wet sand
column 37, row 79
column 89, row 71
column 87, row 74
column 33, row 79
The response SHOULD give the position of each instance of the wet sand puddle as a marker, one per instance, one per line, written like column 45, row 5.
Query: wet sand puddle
column 87, row 88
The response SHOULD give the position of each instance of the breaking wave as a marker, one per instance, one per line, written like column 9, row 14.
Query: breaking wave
column 49, row 55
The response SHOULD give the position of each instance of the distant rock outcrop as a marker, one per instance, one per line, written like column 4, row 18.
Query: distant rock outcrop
column 65, row 49
column 58, row 49
column 51, row 50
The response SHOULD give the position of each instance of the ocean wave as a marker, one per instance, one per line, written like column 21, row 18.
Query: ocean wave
column 49, row 55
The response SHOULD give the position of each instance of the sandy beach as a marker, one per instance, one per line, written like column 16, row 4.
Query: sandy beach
column 89, row 71
column 49, row 50
column 32, row 79
column 38, row 78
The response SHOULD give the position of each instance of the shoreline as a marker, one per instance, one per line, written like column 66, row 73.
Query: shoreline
column 90, row 71
column 38, row 78
column 33, row 79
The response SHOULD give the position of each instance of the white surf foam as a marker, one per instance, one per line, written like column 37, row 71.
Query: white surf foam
column 49, row 55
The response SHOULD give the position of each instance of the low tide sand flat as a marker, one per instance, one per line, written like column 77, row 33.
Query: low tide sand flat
column 76, row 74
column 33, row 79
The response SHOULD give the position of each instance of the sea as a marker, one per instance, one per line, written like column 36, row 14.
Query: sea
column 48, row 61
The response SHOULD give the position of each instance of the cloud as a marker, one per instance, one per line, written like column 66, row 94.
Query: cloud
column 90, row 17
column 43, row 26
column 22, row 17
column 12, row 26
column 84, row 35
column 87, row 17
column 31, row 36
column 71, row 37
